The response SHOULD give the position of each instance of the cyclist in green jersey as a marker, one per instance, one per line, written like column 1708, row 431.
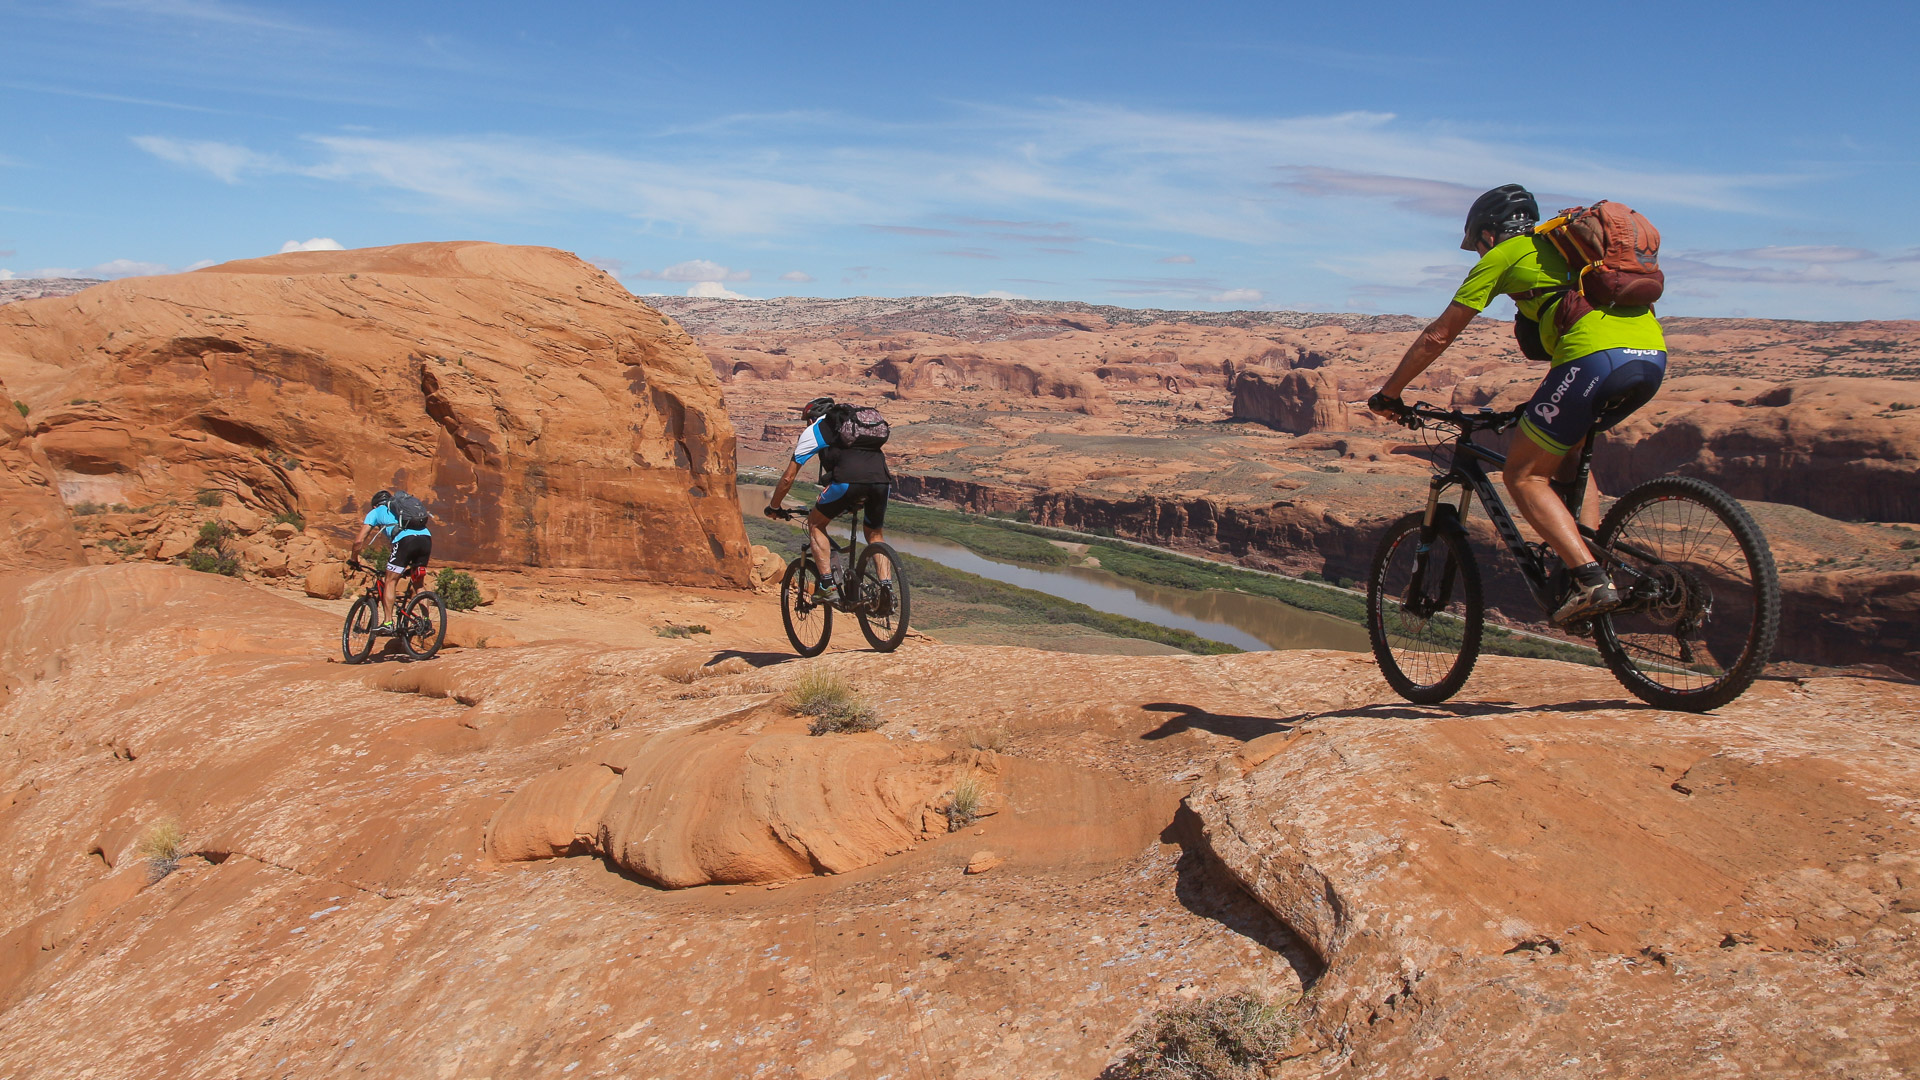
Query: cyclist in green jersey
column 1604, row 366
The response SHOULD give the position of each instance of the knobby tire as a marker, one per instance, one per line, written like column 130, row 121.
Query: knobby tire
column 1706, row 542
column 1425, row 660
column 883, row 619
column 356, row 634
column 425, row 625
column 810, row 630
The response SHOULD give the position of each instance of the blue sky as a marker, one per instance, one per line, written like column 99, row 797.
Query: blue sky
column 1201, row 155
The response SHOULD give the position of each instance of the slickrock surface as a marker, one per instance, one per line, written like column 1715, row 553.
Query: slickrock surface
column 1543, row 879
column 547, row 416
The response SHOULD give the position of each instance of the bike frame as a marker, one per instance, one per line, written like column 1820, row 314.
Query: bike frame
column 1468, row 471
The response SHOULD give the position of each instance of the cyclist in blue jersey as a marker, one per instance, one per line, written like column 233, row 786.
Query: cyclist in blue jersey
column 406, row 549
column 850, row 477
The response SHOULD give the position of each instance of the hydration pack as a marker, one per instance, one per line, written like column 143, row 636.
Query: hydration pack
column 409, row 511
column 1614, row 252
column 855, row 427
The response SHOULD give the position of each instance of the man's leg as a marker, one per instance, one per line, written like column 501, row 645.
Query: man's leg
column 817, row 523
column 1530, row 468
column 388, row 596
column 875, row 514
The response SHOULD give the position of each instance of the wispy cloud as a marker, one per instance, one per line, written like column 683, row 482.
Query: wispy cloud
column 113, row 268
column 695, row 270
column 796, row 275
column 318, row 243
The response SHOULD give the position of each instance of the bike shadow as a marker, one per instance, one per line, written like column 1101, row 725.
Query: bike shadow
column 1248, row 728
column 757, row 659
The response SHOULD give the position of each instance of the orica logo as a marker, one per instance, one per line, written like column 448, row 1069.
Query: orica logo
column 1550, row 408
column 1548, row 411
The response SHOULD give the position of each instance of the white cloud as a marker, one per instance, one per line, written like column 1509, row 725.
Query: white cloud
column 695, row 270
column 796, row 275
column 1178, row 260
column 223, row 160
column 1236, row 296
column 318, row 243
column 6, row 275
column 201, row 265
column 713, row 290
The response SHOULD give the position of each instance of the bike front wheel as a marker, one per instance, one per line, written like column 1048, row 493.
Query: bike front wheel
column 356, row 637
column 1700, row 596
column 882, row 599
column 806, row 612
column 1425, row 608
column 424, row 626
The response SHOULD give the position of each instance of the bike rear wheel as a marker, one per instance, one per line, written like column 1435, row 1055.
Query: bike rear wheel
column 1425, row 610
column 809, row 624
column 356, row 636
column 424, row 626
column 882, row 600
column 1702, row 597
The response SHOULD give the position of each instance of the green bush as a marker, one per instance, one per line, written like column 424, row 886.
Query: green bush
column 213, row 561
column 22, row 406
column 1231, row 1037
column 291, row 517
column 213, row 533
column 87, row 509
column 211, row 497
column 458, row 589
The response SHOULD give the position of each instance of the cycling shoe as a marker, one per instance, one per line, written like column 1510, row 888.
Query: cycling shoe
column 1586, row 601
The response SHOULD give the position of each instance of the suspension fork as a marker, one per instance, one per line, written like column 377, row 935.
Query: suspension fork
column 1429, row 530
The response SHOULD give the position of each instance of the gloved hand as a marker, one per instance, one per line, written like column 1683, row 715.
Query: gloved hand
column 1381, row 403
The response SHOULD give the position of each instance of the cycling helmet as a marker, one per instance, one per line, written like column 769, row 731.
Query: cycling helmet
column 1506, row 211
column 382, row 498
column 816, row 408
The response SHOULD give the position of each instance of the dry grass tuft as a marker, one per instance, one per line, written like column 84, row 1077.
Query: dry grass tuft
column 993, row 738
column 161, row 846
column 830, row 700
column 1232, row 1037
column 963, row 809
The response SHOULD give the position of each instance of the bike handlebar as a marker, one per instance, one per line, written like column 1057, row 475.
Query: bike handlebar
column 783, row 513
column 1419, row 414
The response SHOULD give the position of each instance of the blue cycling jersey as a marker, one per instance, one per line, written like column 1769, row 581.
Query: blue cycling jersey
column 382, row 517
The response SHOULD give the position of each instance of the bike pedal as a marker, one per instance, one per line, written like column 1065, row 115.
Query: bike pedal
column 1580, row 628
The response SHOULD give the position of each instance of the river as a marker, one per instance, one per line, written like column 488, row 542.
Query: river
column 1254, row 623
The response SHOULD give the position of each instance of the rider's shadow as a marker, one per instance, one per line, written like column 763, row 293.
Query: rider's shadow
column 1248, row 728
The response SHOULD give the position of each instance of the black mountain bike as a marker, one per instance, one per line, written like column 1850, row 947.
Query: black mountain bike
column 875, row 593
column 1700, row 598
column 419, row 617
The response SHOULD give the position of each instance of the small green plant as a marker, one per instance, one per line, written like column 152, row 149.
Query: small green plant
column 458, row 589
column 87, row 509
column 963, row 809
column 830, row 700
column 213, row 534
column 1231, row 1037
column 213, row 561
column 674, row 630
column 211, row 497
column 161, row 846
column 22, row 406
column 291, row 517
column 1902, row 406
column 121, row 508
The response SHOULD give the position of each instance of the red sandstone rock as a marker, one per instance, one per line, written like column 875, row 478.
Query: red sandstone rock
column 1299, row 402
column 544, row 414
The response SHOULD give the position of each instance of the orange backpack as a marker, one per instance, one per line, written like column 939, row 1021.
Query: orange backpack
column 1615, row 254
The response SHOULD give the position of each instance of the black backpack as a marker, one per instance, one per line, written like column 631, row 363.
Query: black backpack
column 856, row 427
column 411, row 513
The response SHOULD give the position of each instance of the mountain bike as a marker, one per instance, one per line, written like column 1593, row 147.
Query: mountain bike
column 419, row 617
column 1700, row 599
column 875, row 593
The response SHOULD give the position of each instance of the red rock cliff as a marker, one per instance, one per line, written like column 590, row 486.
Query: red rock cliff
column 546, row 416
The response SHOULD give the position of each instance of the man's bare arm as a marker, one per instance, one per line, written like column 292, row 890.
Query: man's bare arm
column 780, row 489
column 1428, row 346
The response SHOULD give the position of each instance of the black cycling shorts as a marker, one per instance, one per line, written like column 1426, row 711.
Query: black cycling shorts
column 410, row 552
column 837, row 499
column 1592, row 393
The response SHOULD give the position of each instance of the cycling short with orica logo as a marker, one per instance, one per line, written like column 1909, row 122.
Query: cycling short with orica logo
column 409, row 552
column 837, row 499
column 1591, row 393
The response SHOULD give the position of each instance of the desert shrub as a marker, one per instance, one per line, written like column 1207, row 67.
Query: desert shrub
column 963, row 809
column 674, row 630
column 211, row 497
column 1231, row 1037
column 22, row 406
column 213, row 561
column 830, row 700
column 121, row 508
column 214, row 533
column 87, row 509
column 161, row 846
column 458, row 589
column 291, row 517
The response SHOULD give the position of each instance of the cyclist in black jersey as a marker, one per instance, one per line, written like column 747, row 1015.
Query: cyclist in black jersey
column 850, row 477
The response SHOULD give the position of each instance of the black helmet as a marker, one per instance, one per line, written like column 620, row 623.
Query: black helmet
column 382, row 498
column 816, row 408
column 1506, row 211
